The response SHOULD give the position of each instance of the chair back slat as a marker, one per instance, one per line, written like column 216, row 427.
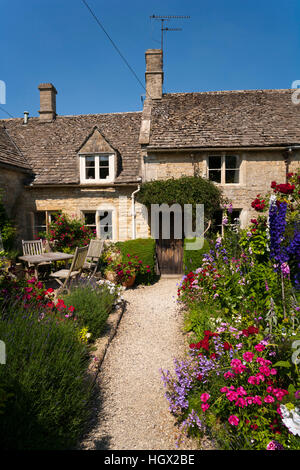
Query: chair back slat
column 95, row 249
column 79, row 258
column 32, row 247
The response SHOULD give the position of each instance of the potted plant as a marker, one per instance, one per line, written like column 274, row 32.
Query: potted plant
column 127, row 271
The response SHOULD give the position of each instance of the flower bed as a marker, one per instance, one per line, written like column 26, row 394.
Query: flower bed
column 240, row 381
column 45, row 389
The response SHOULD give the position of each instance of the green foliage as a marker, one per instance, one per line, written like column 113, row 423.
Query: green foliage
column 192, row 259
column 45, row 377
column 185, row 190
column 92, row 306
column 7, row 229
column 144, row 249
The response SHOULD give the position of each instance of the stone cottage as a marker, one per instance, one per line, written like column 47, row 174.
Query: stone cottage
column 90, row 166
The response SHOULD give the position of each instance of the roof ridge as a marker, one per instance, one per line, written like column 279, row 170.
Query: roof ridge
column 59, row 116
column 217, row 92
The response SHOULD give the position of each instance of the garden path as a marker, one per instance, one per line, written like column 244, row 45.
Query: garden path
column 132, row 412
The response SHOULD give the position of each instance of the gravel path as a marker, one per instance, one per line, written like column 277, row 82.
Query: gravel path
column 132, row 411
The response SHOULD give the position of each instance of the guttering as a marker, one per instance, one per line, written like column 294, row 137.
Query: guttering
column 133, row 213
column 217, row 149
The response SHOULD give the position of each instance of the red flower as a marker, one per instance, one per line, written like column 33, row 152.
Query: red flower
column 227, row 346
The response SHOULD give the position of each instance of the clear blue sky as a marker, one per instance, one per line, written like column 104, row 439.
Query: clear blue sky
column 225, row 45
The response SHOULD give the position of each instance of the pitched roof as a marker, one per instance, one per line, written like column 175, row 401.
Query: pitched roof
column 225, row 119
column 51, row 148
column 9, row 153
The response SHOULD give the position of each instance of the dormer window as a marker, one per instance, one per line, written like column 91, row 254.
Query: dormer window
column 98, row 168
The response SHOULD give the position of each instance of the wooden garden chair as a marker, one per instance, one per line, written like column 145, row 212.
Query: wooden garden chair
column 63, row 276
column 34, row 247
column 93, row 256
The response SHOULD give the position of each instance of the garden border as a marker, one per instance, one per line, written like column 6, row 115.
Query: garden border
column 104, row 341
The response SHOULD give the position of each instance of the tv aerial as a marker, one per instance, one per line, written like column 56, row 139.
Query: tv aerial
column 163, row 29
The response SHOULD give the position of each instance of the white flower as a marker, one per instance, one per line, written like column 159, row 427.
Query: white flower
column 291, row 419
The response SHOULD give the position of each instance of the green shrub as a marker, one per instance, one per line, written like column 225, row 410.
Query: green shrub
column 45, row 380
column 192, row 259
column 92, row 306
column 144, row 249
column 185, row 190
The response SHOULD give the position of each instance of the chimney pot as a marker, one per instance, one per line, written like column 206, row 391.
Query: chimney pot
column 26, row 114
column 47, row 101
column 154, row 73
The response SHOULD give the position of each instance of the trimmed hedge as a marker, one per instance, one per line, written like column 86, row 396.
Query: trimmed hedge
column 144, row 248
column 192, row 259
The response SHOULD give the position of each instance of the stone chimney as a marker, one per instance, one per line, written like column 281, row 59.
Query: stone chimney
column 47, row 102
column 154, row 73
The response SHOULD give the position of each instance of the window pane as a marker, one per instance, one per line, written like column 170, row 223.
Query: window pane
column 235, row 216
column 90, row 218
column 231, row 162
column 214, row 162
column 89, row 161
column 104, row 173
column 103, row 160
column 216, row 225
column 232, row 176
column 90, row 173
column 214, row 175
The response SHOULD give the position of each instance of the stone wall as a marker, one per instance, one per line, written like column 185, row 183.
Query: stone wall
column 74, row 201
column 257, row 170
column 11, row 183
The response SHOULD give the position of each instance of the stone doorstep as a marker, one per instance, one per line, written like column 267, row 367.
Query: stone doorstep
column 171, row 276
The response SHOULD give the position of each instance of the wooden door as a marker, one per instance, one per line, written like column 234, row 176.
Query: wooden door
column 169, row 252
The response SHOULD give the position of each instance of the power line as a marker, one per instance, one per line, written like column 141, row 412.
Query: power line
column 6, row 112
column 114, row 45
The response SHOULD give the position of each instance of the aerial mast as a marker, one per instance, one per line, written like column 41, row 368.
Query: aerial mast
column 162, row 19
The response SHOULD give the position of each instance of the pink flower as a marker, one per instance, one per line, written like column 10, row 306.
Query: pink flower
column 233, row 420
column 241, row 402
column 241, row 391
column 204, row 406
column 204, row 397
column 224, row 390
column 253, row 380
column 232, row 396
column 259, row 347
column 250, row 400
column 269, row 399
column 248, row 356
column 228, row 375
column 257, row 400
column 265, row 370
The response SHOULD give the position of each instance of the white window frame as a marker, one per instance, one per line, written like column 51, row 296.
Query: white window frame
column 223, row 156
column 97, row 179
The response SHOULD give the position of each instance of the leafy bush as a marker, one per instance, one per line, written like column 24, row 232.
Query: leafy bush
column 92, row 303
column 45, row 379
column 192, row 259
column 185, row 190
column 144, row 249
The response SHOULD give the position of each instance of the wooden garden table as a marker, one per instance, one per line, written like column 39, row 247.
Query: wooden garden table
column 51, row 257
